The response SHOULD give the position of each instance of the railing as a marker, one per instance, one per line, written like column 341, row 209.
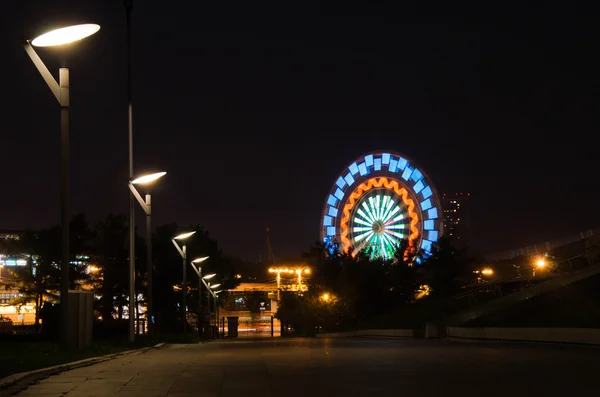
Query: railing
column 495, row 296
column 491, row 290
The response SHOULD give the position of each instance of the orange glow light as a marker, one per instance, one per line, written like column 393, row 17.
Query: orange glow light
column 375, row 183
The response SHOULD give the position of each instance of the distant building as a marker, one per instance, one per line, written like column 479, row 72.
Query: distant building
column 456, row 217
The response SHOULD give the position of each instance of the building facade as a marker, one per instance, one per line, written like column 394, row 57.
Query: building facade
column 456, row 217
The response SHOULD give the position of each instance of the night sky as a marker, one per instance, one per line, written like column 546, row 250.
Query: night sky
column 254, row 108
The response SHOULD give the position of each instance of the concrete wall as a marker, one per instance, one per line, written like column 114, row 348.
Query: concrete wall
column 590, row 336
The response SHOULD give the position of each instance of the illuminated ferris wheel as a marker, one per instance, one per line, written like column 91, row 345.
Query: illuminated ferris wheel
column 377, row 202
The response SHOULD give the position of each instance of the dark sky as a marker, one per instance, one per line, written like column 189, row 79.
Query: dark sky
column 253, row 109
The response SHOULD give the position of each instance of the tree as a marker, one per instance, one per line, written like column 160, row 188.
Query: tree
column 39, row 280
column 110, row 252
column 446, row 268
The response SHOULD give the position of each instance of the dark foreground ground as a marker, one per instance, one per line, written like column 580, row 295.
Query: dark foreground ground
column 345, row 368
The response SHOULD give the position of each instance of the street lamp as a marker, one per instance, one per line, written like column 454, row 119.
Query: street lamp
column 147, row 207
column 183, row 253
column 209, row 288
column 60, row 90
column 299, row 272
column 198, row 269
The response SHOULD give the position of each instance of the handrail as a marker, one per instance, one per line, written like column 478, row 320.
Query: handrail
column 497, row 283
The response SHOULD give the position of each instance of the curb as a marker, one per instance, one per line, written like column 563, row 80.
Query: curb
column 10, row 384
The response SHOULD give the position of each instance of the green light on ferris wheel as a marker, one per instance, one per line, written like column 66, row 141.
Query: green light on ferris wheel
column 377, row 226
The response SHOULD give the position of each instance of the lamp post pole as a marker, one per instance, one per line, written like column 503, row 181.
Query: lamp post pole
column 183, row 253
column 128, row 8
column 60, row 90
column 184, row 290
column 150, row 309
column 200, row 313
column 198, row 269
column 147, row 207
column 64, row 201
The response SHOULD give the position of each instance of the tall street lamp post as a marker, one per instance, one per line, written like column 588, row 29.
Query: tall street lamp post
column 208, row 277
column 210, row 288
column 128, row 8
column 198, row 269
column 147, row 207
column 183, row 252
column 60, row 90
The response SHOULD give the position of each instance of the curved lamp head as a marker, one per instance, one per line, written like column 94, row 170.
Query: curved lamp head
column 217, row 292
column 183, row 236
column 209, row 276
column 215, row 286
column 146, row 179
column 65, row 35
column 200, row 260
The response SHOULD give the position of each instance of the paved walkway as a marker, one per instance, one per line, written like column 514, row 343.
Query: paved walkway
column 348, row 368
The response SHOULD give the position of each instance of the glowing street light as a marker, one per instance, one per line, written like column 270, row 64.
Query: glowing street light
column 198, row 269
column 66, row 35
column 183, row 252
column 183, row 236
column 209, row 276
column 540, row 263
column 147, row 179
column 61, row 92
column 146, row 204
column 487, row 271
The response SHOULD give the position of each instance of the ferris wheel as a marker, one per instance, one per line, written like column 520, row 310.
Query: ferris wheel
column 377, row 202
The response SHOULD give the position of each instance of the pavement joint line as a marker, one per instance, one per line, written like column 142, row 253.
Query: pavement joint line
column 15, row 383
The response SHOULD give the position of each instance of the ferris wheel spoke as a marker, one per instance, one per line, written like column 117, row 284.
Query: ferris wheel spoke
column 369, row 208
column 393, row 212
column 397, row 226
column 388, row 207
column 384, row 206
column 365, row 216
column 390, row 244
column 363, row 222
column 361, row 228
column 363, row 236
column 380, row 206
column 394, row 238
column 366, row 213
column 396, row 219
column 395, row 234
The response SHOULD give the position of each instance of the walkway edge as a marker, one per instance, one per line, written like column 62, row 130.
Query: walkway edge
column 14, row 378
column 389, row 333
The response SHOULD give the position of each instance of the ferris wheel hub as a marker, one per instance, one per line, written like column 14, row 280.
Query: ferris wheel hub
column 378, row 228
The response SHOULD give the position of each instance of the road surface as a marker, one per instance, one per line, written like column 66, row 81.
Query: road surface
column 336, row 367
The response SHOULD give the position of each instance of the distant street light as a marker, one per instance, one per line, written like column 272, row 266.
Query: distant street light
column 487, row 271
column 198, row 269
column 183, row 252
column 60, row 90
column 540, row 263
column 147, row 207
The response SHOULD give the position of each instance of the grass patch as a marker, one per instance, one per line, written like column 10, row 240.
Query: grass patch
column 21, row 355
